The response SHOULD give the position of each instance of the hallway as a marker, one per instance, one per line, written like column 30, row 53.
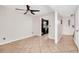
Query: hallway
column 40, row 44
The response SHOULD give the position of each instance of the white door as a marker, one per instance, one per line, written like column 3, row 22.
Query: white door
column 76, row 35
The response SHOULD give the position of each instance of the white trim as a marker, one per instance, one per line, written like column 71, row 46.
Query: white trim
column 56, row 29
column 59, row 38
column 50, row 37
column 15, row 40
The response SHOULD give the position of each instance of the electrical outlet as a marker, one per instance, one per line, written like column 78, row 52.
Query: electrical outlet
column 4, row 38
column 32, row 32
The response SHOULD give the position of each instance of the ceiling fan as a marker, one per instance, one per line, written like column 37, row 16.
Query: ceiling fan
column 28, row 9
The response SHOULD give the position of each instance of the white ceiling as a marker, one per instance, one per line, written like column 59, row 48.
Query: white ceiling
column 64, row 10
column 43, row 8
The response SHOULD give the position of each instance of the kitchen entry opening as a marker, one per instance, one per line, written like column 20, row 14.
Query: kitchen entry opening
column 44, row 26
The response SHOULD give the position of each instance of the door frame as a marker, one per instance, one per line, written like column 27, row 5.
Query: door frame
column 42, row 24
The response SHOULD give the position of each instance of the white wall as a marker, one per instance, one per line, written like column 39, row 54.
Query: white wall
column 58, row 27
column 51, row 18
column 68, row 30
column 13, row 25
column 37, row 24
column 76, row 34
column 63, row 29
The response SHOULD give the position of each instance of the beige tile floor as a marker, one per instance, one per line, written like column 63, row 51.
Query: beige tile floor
column 40, row 44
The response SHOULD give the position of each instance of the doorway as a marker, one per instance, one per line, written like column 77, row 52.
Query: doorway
column 44, row 26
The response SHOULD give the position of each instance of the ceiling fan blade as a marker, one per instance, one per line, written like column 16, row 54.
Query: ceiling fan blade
column 20, row 9
column 35, row 10
column 32, row 13
column 25, row 13
column 28, row 7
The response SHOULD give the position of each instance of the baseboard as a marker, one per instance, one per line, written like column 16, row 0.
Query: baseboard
column 15, row 40
column 67, row 34
column 76, row 44
column 51, row 37
column 60, row 37
column 78, row 49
